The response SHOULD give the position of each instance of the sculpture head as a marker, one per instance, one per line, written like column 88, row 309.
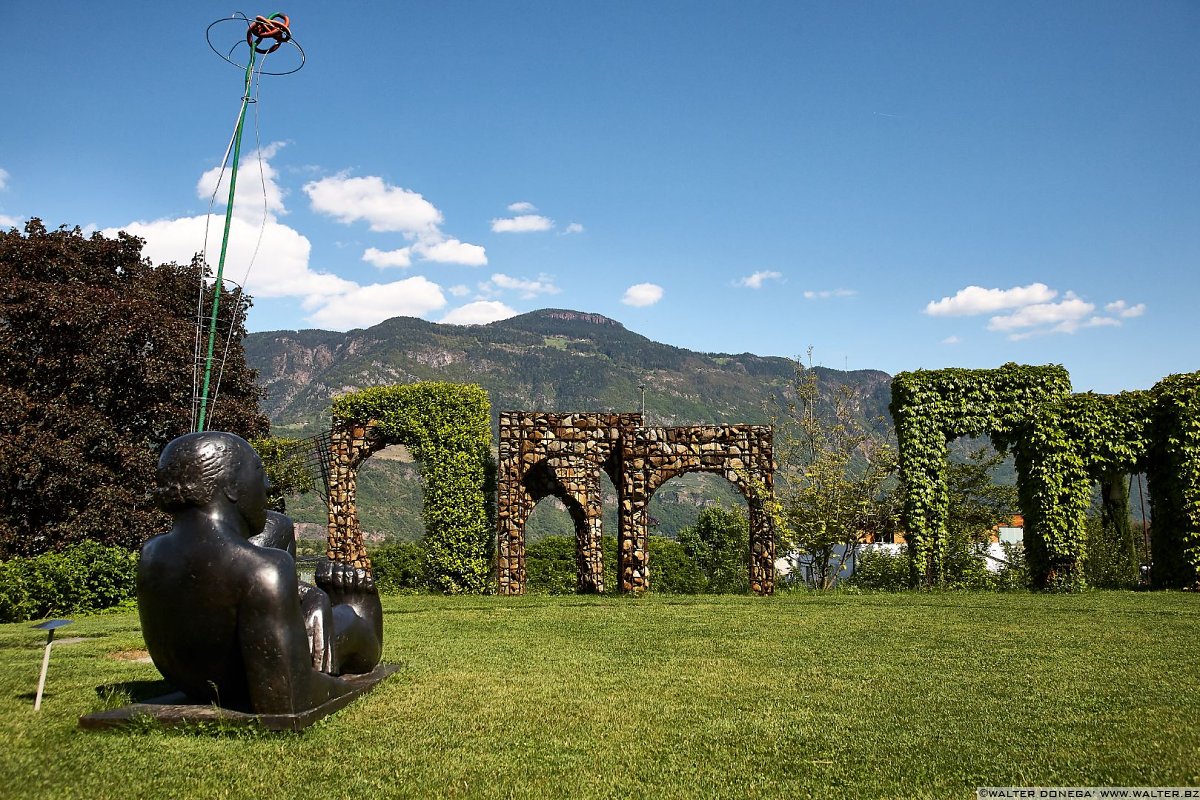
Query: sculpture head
column 203, row 470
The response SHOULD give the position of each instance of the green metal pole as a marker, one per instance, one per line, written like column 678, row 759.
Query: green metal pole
column 216, row 304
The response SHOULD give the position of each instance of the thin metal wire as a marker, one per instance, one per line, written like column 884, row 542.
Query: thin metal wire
column 255, row 71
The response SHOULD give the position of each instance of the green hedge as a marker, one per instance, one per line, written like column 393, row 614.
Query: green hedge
column 447, row 427
column 400, row 568
column 551, row 568
column 881, row 571
column 550, row 564
column 672, row 570
column 84, row 577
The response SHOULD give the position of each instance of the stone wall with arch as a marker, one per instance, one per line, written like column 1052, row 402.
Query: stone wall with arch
column 653, row 456
column 563, row 455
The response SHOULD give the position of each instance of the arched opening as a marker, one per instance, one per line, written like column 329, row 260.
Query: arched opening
column 391, row 496
column 699, row 536
column 561, row 555
column 1116, row 542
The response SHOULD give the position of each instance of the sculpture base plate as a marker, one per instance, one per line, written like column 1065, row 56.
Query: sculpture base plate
column 173, row 710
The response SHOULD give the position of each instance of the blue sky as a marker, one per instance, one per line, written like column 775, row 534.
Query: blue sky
column 900, row 185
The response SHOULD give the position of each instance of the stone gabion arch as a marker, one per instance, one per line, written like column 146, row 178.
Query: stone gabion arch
column 563, row 455
column 652, row 456
column 351, row 443
column 559, row 455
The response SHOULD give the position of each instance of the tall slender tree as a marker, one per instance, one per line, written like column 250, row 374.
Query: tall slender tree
column 835, row 484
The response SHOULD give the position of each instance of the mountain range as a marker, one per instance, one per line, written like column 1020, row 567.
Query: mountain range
column 546, row 360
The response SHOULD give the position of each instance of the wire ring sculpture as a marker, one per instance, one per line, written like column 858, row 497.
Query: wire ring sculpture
column 258, row 31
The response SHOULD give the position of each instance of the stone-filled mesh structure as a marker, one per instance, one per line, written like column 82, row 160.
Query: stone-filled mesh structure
column 350, row 444
column 562, row 455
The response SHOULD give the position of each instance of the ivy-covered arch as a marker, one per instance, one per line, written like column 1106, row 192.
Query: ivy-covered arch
column 1062, row 443
column 933, row 407
column 1069, row 445
column 447, row 426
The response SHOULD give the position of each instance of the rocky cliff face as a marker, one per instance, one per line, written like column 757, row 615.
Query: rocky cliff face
column 578, row 316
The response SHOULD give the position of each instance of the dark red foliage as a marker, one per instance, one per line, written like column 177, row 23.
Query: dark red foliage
column 96, row 354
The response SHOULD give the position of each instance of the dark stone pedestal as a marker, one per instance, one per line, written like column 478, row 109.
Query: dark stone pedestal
column 173, row 710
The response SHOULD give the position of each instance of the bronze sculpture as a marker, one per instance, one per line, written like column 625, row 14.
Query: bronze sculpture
column 225, row 619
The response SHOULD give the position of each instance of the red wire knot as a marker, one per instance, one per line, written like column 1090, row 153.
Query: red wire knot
column 277, row 28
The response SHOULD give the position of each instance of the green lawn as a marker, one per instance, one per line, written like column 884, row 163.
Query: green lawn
column 914, row 695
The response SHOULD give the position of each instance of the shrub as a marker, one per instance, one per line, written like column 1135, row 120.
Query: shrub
column 93, row 383
column 672, row 570
column 85, row 577
column 719, row 544
column 400, row 568
column 1014, row 575
column 882, row 571
column 965, row 566
column 550, row 565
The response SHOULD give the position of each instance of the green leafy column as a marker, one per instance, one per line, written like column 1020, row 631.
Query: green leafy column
column 1174, row 472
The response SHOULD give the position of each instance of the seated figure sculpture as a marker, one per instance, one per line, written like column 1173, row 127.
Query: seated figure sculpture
column 225, row 620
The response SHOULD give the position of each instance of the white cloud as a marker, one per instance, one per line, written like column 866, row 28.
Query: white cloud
column 4, row 176
column 573, row 227
column 826, row 294
column 480, row 312
column 1033, row 313
column 363, row 306
column 524, row 223
column 544, row 284
column 951, row 340
column 256, row 185
column 977, row 300
column 383, row 207
column 280, row 270
column 388, row 258
column 756, row 280
column 451, row 251
column 392, row 209
column 7, row 222
column 1123, row 309
column 460, row 290
column 521, row 207
column 642, row 294
column 1065, row 316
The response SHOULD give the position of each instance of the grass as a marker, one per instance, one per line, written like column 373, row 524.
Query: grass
column 911, row 695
